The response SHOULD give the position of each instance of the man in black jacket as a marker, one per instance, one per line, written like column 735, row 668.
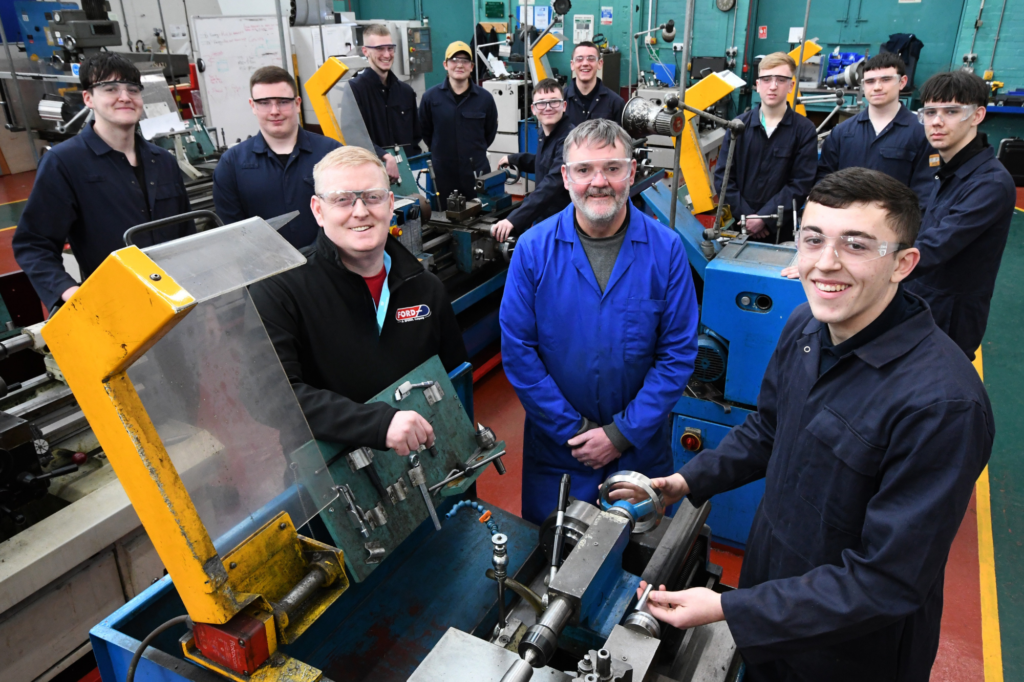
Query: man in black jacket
column 870, row 432
column 550, row 195
column 387, row 104
column 360, row 314
column 586, row 96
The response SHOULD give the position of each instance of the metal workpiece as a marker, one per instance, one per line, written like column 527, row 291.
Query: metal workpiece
column 642, row 515
column 419, row 480
column 521, row 671
column 431, row 391
column 374, row 552
column 499, row 559
column 541, row 639
column 641, row 619
column 376, row 516
column 398, row 491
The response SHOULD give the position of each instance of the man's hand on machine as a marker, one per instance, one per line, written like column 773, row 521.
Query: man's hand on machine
column 684, row 609
column 391, row 166
column 593, row 449
column 673, row 488
column 501, row 230
column 408, row 430
column 756, row 227
column 793, row 272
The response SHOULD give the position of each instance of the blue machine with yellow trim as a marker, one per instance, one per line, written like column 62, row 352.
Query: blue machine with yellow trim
column 745, row 304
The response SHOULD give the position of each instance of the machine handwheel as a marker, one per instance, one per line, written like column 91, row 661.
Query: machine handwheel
column 649, row 512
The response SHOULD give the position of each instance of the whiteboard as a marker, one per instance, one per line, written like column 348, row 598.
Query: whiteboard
column 231, row 49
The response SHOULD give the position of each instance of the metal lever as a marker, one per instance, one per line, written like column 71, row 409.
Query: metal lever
column 418, row 479
column 563, row 502
column 355, row 512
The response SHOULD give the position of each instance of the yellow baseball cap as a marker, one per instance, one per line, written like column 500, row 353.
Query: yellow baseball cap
column 456, row 47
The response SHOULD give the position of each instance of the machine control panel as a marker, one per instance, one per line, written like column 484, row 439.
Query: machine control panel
column 421, row 59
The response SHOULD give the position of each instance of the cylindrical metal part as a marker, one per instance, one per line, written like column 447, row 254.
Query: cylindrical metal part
column 603, row 667
column 499, row 559
column 50, row 109
column 521, row 671
column 15, row 344
column 542, row 638
column 642, row 621
column 302, row 591
column 643, row 599
column 563, row 501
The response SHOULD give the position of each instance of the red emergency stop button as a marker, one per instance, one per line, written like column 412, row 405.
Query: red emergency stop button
column 691, row 441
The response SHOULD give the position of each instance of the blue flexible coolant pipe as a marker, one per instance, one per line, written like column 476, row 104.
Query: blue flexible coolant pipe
column 491, row 524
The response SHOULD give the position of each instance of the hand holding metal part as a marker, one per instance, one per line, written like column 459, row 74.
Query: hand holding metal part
column 644, row 512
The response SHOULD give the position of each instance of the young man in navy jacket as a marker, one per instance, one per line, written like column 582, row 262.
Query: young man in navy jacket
column 271, row 173
column 550, row 195
column 90, row 189
column 964, row 230
column 459, row 120
column 776, row 157
column 885, row 136
column 387, row 104
column 870, row 432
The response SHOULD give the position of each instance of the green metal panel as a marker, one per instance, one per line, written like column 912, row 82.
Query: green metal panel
column 455, row 443
column 863, row 25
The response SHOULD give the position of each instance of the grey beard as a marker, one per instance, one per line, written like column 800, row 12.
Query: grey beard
column 602, row 218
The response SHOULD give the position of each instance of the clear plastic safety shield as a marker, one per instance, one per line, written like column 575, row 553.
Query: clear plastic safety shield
column 218, row 396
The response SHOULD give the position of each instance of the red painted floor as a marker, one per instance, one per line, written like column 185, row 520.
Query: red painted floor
column 960, row 653
column 16, row 187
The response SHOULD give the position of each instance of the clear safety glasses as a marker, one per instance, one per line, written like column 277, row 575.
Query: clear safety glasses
column 548, row 104
column 347, row 198
column 949, row 114
column 849, row 249
column 268, row 103
column 586, row 172
column 114, row 88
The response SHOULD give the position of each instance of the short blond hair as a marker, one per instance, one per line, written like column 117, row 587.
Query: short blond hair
column 347, row 157
column 776, row 59
column 377, row 30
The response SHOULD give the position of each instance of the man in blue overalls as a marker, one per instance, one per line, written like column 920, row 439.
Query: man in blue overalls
column 598, row 328
column 870, row 432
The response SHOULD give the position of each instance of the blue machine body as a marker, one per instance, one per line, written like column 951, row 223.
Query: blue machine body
column 382, row 628
column 33, row 23
column 745, row 305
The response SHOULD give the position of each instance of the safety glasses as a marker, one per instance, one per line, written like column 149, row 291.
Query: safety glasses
column 347, row 198
column 586, row 172
column 386, row 49
column 114, row 88
column 778, row 80
column 948, row 113
column 268, row 103
column 548, row 104
column 848, row 249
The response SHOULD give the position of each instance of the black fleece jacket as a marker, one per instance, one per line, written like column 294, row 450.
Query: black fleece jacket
column 322, row 322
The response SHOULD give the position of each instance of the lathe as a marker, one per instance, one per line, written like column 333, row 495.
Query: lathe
column 291, row 559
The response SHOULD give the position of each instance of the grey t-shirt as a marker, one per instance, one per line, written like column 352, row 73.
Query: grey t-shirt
column 603, row 252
